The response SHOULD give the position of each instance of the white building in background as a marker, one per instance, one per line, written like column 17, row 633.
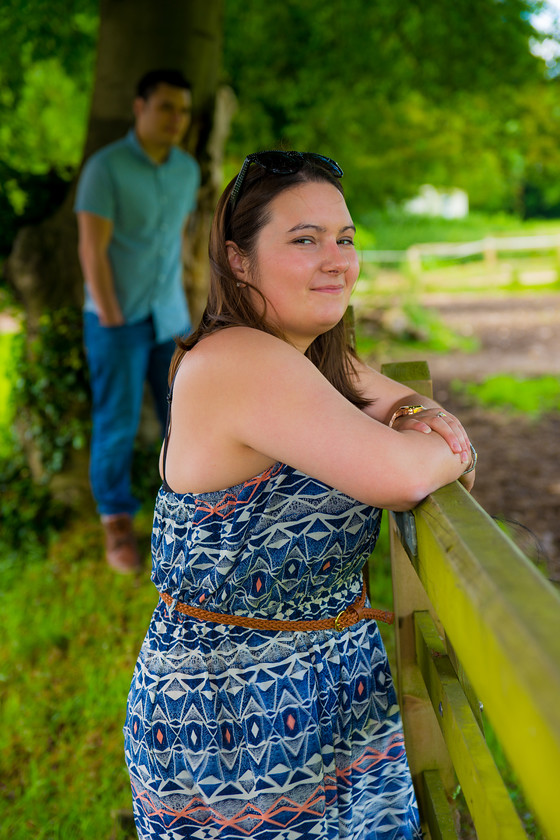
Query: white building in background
column 448, row 204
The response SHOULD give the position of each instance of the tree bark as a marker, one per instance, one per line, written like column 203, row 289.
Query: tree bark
column 134, row 36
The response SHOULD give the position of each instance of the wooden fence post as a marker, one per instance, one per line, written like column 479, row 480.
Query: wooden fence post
column 425, row 745
column 414, row 259
column 490, row 253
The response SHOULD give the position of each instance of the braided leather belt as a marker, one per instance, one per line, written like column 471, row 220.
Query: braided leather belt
column 351, row 615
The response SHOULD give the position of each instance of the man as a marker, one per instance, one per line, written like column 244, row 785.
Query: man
column 132, row 200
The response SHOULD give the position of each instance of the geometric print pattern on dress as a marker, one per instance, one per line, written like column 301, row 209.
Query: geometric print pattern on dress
column 233, row 732
column 279, row 538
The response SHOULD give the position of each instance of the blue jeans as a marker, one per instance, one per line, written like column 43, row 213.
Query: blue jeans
column 120, row 359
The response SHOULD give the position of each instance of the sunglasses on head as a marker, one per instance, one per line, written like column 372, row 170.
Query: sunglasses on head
column 281, row 163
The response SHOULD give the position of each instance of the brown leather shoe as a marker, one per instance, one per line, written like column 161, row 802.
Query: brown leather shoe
column 120, row 544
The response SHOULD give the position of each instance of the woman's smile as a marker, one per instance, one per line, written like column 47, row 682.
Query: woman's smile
column 329, row 290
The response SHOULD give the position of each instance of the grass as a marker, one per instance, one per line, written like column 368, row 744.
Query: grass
column 511, row 783
column 405, row 331
column 421, row 331
column 530, row 396
column 71, row 634
column 397, row 231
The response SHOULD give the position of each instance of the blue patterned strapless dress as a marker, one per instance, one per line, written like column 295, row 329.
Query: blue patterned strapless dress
column 265, row 735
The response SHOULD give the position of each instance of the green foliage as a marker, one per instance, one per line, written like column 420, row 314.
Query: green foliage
column 7, row 341
column 46, row 75
column 39, row 393
column 28, row 512
column 26, row 198
column 51, row 391
column 401, row 94
column 432, row 333
column 33, row 31
column 531, row 396
column 373, row 52
column 43, row 132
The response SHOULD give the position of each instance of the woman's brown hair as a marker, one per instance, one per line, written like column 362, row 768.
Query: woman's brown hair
column 230, row 305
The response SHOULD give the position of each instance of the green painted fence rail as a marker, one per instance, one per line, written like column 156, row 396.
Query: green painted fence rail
column 477, row 633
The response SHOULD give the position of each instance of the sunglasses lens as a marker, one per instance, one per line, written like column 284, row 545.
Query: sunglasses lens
column 326, row 162
column 279, row 163
column 284, row 163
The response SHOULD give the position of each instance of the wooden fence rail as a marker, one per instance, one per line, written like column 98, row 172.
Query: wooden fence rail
column 489, row 248
column 477, row 634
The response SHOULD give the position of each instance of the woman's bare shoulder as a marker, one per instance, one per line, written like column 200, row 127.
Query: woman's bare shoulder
column 241, row 340
column 236, row 353
column 238, row 340
column 220, row 388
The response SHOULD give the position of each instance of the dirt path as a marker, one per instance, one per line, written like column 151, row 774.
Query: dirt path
column 519, row 461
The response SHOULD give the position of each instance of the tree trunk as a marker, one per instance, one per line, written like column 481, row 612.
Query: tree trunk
column 134, row 36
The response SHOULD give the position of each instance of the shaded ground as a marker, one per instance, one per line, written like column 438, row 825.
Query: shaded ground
column 519, row 461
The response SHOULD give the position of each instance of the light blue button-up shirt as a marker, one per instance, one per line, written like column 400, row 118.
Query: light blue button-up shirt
column 147, row 204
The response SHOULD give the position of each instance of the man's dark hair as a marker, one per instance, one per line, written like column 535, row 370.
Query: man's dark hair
column 149, row 81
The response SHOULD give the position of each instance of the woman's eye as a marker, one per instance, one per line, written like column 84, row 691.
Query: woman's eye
column 303, row 240
column 346, row 241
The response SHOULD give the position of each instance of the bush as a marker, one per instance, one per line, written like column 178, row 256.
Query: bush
column 28, row 513
column 51, row 392
column 46, row 396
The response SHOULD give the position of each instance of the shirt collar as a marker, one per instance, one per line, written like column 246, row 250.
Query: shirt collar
column 135, row 144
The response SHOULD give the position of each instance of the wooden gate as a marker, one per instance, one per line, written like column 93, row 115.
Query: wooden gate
column 477, row 633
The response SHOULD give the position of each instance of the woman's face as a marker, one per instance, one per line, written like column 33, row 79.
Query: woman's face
column 306, row 263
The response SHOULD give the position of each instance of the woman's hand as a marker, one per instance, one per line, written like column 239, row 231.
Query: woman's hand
column 446, row 425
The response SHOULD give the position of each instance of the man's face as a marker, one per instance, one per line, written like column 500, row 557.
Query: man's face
column 164, row 117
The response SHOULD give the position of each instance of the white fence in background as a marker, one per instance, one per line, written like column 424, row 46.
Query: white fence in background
column 488, row 248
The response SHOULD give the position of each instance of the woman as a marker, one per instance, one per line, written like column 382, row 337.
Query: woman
column 262, row 705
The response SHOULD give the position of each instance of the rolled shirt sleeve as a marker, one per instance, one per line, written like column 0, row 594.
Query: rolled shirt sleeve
column 95, row 192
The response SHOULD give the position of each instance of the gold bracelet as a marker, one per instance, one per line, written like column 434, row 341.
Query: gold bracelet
column 405, row 409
